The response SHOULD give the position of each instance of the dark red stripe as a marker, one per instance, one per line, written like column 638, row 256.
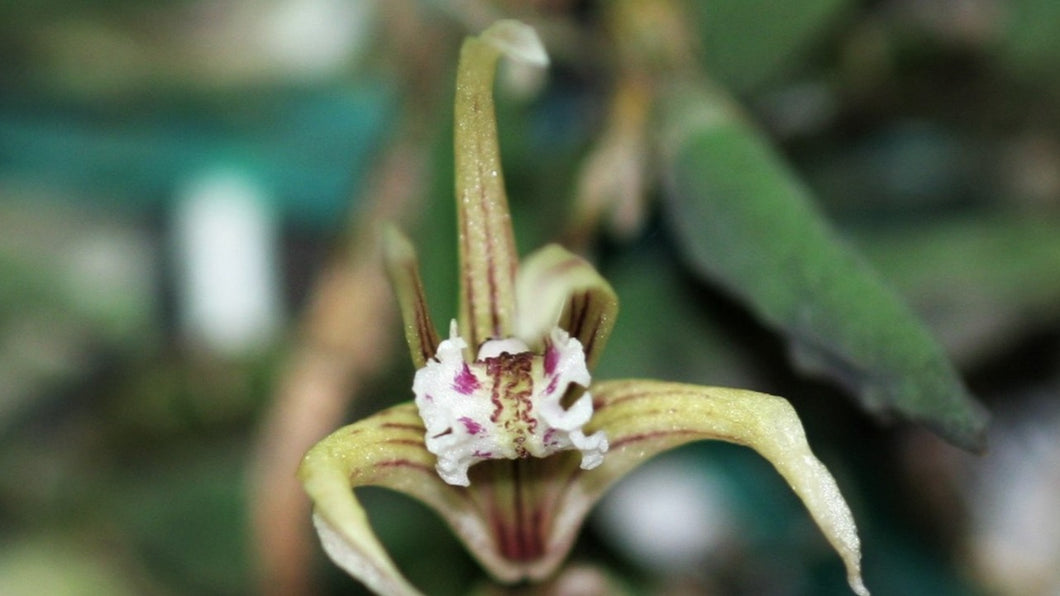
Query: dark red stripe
column 636, row 438
column 402, row 425
column 410, row 442
column 404, row 463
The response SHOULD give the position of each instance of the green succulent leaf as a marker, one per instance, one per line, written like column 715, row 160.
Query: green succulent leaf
column 644, row 418
column 744, row 220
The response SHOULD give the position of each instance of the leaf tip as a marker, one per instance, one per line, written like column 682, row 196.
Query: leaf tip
column 969, row 430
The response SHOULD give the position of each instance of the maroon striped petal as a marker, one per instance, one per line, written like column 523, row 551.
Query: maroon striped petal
column 488, row 257
column 645, row 418
column 555, row 287
column 507, row 518
column 403, row 268
column 383, row 450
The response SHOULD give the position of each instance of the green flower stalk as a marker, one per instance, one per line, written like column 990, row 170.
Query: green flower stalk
column 507, row 437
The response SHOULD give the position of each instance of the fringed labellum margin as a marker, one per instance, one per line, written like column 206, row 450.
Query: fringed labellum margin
column 506, row 404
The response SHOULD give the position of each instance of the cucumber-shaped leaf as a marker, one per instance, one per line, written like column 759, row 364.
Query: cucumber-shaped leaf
column 744, row 220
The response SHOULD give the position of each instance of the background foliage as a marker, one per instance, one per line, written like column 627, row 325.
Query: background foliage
column 921, row 135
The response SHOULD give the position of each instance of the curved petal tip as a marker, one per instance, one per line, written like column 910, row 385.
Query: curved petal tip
column 516, row 40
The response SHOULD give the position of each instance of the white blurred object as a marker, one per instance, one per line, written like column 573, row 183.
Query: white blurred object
column 315, row 37
column 300, row 40
column 226, row 244
column 204, row 43
column 1015, row 505
column 668, row 516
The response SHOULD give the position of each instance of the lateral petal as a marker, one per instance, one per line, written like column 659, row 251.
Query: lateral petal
column 644, row 418
column 557, row 287
column 383, row 450
column 403, row 269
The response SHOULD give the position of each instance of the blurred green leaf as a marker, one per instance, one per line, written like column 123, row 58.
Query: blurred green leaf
column 1031, row 39
column 744, row 220
column 781, row 32
column 186, row 517
column 682, row 341
column 61, row 566
column 980, row 281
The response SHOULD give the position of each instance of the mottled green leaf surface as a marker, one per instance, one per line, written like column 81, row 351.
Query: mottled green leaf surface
column 745, row 221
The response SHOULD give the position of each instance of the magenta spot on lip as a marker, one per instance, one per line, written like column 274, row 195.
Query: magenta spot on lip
column 551, row 358
column 483, row 454
column 552, row 386
column 472, row 427
column 465, row 382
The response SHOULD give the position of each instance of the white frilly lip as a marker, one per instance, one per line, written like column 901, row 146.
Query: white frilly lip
column 465, row 425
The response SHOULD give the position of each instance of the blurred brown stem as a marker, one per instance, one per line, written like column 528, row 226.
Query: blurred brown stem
column 347, row 329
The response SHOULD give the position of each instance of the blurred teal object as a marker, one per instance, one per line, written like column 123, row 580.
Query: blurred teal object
column 309, row 148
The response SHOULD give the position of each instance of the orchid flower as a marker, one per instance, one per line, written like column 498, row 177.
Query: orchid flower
column 507, row 439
